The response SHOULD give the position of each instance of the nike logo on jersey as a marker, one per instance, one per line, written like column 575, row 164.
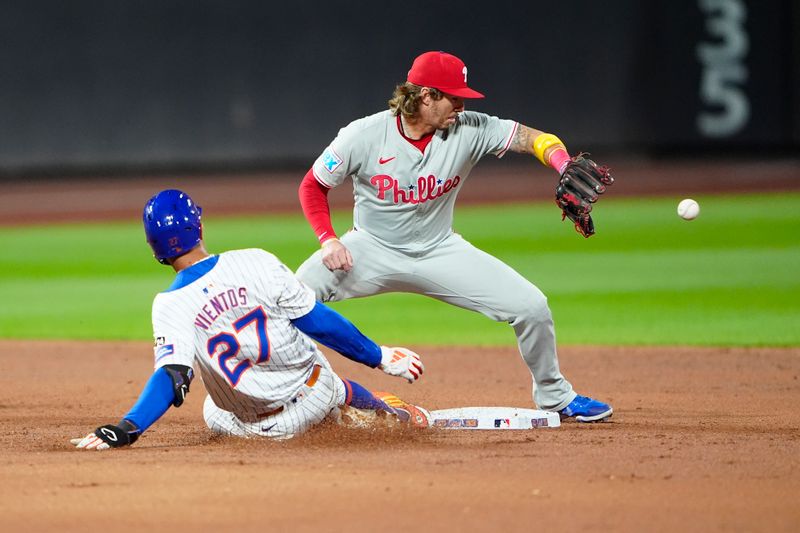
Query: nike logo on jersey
column 382, row 161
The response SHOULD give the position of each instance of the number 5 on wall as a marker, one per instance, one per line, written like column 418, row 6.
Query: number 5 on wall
column 724, row 73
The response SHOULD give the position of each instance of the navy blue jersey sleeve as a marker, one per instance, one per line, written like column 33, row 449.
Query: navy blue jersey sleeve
column 328, row 327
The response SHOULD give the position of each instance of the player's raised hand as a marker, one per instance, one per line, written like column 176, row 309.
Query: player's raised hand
column 401, row 362
column 336, row 256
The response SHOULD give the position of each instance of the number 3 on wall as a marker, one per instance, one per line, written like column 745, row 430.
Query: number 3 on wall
column 231, row 347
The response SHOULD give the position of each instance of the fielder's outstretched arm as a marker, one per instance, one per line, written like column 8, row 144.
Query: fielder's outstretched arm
column 166, row 387
column 545, row 146
column 582, row 180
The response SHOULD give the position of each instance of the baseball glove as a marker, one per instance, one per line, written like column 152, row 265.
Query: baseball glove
column 581, row 185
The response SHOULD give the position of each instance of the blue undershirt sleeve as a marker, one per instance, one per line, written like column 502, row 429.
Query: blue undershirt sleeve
column 153, row 402
column 328, row 327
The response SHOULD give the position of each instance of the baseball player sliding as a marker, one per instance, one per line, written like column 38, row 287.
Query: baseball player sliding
column 408, row 164
column 245, row 321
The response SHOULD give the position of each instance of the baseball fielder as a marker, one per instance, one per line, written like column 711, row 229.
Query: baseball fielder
column 407, row 165
column 246, row 323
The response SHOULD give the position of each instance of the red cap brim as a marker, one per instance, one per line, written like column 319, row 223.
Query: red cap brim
column 463, row 92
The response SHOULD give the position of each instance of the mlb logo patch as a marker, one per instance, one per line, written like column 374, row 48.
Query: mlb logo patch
column 163, row 351
column 501, row 423
column 331, row 160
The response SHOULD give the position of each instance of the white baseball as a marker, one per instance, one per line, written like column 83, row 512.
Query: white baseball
column 688, row 209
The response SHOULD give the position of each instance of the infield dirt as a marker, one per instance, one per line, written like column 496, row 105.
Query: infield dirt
column 702, row 439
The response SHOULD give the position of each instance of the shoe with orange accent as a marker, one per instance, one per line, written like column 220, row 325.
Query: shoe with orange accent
column 413, row 415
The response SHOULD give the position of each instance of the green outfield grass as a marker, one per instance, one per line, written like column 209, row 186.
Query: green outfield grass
column 731, row 277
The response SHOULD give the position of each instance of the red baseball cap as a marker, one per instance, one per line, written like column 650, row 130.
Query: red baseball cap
column 441, row 71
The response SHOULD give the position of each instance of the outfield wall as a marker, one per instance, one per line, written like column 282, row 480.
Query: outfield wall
column 111, row 84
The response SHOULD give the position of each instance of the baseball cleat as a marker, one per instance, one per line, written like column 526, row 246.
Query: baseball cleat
column 413, row 415
column 585, row 409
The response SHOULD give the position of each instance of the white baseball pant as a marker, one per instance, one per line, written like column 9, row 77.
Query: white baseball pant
column 320, row 397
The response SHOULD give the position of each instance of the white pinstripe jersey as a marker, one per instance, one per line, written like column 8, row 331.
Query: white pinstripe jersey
column 233, row 325
column 405, row 197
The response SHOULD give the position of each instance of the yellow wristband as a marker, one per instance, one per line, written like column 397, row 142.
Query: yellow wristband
column 542, row 143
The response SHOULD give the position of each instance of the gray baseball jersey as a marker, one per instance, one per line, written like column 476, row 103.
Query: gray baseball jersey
column 233, row 323
column 405, row 197
column 403, row 239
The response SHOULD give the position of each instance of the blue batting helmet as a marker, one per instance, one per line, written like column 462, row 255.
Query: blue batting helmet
column 172, row 223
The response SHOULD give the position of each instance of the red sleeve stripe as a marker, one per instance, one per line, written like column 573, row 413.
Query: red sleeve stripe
column 502, row 152
column 348, row 396
column 320, row 180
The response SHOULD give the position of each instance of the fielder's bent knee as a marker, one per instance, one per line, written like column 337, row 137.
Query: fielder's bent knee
column 530, row 306
column 539, row 311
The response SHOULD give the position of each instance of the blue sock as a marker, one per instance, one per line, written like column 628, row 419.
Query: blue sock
column 361, row 398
